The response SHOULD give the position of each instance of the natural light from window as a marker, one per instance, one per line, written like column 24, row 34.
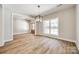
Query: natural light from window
column 50, row 26
column 46, row 26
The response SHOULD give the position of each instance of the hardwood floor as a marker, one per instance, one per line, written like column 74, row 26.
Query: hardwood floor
column 28, row 43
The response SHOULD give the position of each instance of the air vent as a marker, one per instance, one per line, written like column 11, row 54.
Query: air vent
column 59, row 5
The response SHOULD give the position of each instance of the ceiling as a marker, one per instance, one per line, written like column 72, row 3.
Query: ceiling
column 33, row 10
column 30, row 9
column 21, row 16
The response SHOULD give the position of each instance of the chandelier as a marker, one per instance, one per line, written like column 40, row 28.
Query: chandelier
column 39, row 18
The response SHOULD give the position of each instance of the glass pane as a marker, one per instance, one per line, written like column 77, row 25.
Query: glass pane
column 46, row 31
column 54, row 26
column 46, row 23
column 54, row 22
column 54, row 31
column 46, row 26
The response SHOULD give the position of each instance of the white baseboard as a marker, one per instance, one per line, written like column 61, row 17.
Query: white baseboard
column 8, row 40
column 1, row 44
column 57, row 37
column 19, row 33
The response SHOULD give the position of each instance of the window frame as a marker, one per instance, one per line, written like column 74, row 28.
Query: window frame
column 50, row 27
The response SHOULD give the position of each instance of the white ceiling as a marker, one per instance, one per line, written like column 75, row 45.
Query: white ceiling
column 27, row 10
column 30, row 9
column 21, row 16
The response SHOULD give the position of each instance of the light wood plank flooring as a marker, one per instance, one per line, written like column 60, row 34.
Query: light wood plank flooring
column 28, row 43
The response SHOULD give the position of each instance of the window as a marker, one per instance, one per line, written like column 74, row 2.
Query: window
column 50, row 26
column 54, row 26
column 46, row 26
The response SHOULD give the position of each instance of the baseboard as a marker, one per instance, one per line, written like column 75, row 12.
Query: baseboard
column 8, row 40
column 1, row 44
column 56, row 37
column 19, row 33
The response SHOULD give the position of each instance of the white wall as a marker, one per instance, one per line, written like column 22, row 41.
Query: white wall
column 20, row 26
column 66, row 23
column 7, row 17
column 77, row 25
column 6, row 25
column 1, row 27
column 0, row 20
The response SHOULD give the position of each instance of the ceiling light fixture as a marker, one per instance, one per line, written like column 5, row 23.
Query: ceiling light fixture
column 38, row 6
column 38, row 18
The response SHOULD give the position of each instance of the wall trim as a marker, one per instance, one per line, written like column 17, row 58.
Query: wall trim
column 8, row 40
column 19, row 33
column 1, row 44
column 57, row 37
